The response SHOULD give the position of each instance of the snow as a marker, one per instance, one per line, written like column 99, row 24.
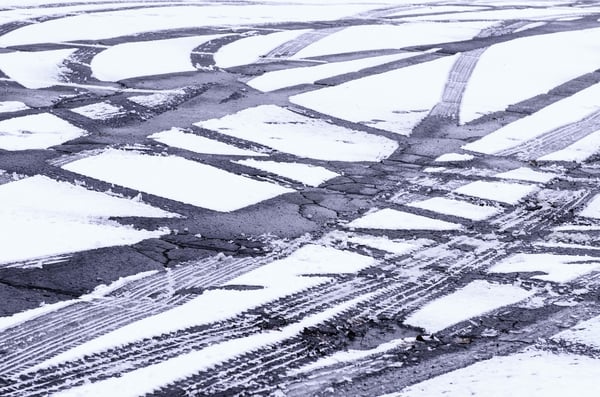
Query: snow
column 213, row 188
column 147, row 58
column 558, row 268
column 383, row 243
column 178, row 138
column 46, row 217
column 37, row 131
column 476, row 298
column 458, row 208
column 302, row 136
column 395, row 101
column 449, row 157
column 505, row 70
column 527, row 174
column 542, row 13
column 431, row 10
column 379, row 37
column 307, row 174
column 158, row 99
column 391, row 219
column 12, row 106
column 278, row 79
column 148, row 379
column 35, row 69
column 103, row 25
column 279, row 278
column 530, row 26
column 504, row 192
column 531, row 373
column 251, row 49
column 592, row 209
column 579, row 151
column 585, row 333
column 99, row 111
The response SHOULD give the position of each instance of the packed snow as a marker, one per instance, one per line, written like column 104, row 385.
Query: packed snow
column 212, row 188
column 147, row 58
column 178, row 138
column 458, row 208
column 12, row 106
column 289, row 132
column 310, row 175
column 392, row 219
column 37, row 131
column 579, row 151
column 557, row 268
column 476, row 298
column 35, row 69
column 527, row 174
column 99, row 111
column 395, row 101
column 504, row 192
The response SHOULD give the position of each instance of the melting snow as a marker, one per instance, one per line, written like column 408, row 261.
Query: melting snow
column 457, row 208
column 307, row 174
column 37, row 131
column 35, row 69
column 504, row 192
column 398, row 220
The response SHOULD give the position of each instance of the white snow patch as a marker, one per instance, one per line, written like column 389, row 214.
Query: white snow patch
column 504, row 192
column 383, row 243
column 12, row 106
column 579, row 151
column 371, row 100
column 585, row 333
column 546, row 12
column 177, row 179
column 592, row 209
column 530, row 26
column 449, row 157
column 278, row 79
column 35, row 69
column 307, row 174
column 176, row 137
column 432, row 9
column 476, row 298
column 279, row 278
column 531, row 373
column 576, row 228
column 147, row 58
column 458, row 208
column 527, row 174
column 157, row 99
column 302, row 136
column 558, row 268
column 99, row 111
column 37, row 131
column 391, row 219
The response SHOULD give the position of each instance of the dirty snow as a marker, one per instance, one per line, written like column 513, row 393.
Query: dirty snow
column 449, row 157
column 531, row 373
column 395, row 101
column 213, row 188
column 585, row 333
column 307, row 174
column 579, row 151
column 476, row 298
column 37, row 131
column 99, row 111
column 147, row 58
column 178, row 138
column 289, row 132
column 278, row 79
column 504, row 192
column 391, row 219
column 35, row 69
column 557, row 268
column 458, row 208
column 12, row 106
column 527, row 174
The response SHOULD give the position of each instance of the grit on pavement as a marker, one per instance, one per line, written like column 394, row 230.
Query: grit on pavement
column 299, row 198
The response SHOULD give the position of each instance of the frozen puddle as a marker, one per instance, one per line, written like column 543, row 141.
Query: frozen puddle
column 307, row 174
column 38, row 131
column 382, row 100
column 504, row 192
column 12, row 106
column 557, row 268
column 47, row 218
column 527, row 174
column 391, row 219
column 178, row 138
column 475, row 299
column 531, row 373
column 585, row 333
column 458, row 208
column 99, row 111
column 147, row 58
column 302, row 136
column 299, row 271
column 177, row 179
column 278, row 79
column 35, row 69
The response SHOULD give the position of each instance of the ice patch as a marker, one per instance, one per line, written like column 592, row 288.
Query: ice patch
column 37, row 131
column 527, row 174
column 99, row 111
column 302, row 136
column 456, row 208
column 448, row 157
column 391, row 219
column 476, row 298
column 307, row 174
column 204, row 186
column 504, row 192
column 35, row 69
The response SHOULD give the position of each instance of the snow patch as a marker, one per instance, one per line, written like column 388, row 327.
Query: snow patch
column 527, row 174
column 504, row 192
column 391, row 219
column 37, row 131
column 307, row 174
column 449, row 157
column 35, row 69
column 585, row 333
column 457, row 208
column 99, row 111
column 12, row 106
